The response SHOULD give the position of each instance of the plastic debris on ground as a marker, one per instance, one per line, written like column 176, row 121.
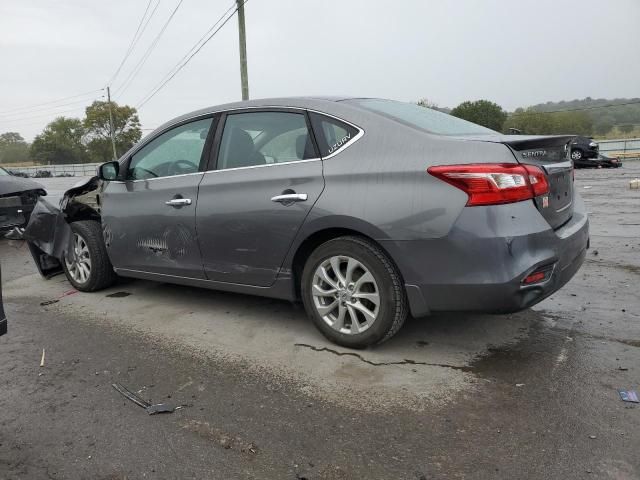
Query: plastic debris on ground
column 629, row 396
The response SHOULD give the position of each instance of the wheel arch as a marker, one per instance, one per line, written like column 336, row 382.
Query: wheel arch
column 312, row 238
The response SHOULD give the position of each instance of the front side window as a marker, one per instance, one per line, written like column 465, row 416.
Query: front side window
column 261, row 138
column 3, row 171
column 331, row 133
column 176, row 152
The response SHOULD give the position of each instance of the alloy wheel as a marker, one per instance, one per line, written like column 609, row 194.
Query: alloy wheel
column 79, row 266
column 345, row 294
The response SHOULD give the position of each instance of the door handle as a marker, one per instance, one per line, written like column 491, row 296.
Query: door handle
column 290, row 198
column 178, row 202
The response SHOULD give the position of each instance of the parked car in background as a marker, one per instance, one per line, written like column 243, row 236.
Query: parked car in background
column 583, row 147
column 365, row 209
column 18, row 197
column 601, row 161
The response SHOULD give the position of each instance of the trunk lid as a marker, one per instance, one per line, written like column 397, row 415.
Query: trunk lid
column 551, row 153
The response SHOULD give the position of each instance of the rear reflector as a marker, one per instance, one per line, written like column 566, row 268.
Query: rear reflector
column 542, row 274
column 534, row 278
column 494, row 183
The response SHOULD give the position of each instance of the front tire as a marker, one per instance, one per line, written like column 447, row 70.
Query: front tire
column 576, row 154
column 88, row 267
column 353, row 292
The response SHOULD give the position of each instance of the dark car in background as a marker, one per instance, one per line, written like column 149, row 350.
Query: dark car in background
column 583, row 147
column 365, row 209
column 601, row 161
column 18, row 197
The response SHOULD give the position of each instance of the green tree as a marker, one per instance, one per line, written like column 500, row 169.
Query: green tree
column 534, row 122
column 13, row 148
column 60, row 142
column 482, row 112
column 126, row 129
column 603, row 125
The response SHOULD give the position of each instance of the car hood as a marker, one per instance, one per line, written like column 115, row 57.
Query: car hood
column 12, row 185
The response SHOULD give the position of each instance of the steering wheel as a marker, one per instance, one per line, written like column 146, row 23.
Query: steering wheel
column 181, row 166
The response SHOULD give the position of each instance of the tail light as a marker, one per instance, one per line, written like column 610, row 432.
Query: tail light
column 494, row 183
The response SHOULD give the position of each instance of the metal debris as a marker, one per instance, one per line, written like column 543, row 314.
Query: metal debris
column 151, row 409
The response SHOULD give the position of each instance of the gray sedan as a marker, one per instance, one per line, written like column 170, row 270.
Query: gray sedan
column 366, row 210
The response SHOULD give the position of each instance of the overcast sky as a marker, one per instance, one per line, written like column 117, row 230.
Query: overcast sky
column 515, row 53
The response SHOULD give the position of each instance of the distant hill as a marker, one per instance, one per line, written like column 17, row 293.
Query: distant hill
column 621, row 119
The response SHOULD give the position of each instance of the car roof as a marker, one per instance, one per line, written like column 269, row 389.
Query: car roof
column 324, row 103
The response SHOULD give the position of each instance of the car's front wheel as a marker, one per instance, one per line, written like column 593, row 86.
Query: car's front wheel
column 353, row 292
column 87, row 265
column 576, row 154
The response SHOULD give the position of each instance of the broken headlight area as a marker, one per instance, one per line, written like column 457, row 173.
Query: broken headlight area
column 15, row 209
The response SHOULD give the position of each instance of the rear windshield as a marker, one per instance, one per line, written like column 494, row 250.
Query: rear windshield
column 424, row 118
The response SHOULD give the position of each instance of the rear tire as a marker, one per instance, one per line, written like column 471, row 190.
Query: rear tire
column 353, row 292
column 90, row 269
column 576, row 154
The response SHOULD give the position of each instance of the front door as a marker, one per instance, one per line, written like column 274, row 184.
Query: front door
column 265, row 179
column 148, row 218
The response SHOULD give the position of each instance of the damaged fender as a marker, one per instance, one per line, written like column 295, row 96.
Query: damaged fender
column 49, row 233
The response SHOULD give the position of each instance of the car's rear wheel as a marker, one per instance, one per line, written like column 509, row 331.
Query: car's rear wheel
column 353, row 292
column 576, row 154
column 87, row 265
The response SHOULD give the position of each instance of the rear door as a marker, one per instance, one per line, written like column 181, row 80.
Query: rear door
column 265, row 177
column 149, row 218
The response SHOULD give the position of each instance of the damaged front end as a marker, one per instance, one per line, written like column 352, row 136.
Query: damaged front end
column 18, row 197
column 48, row 232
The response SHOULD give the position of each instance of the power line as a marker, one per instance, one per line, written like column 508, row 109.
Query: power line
column 179, row 66
column 56, row 114
column 45, row 109
column 134, row 40
column 147, row 53
column 28, row 107
column 580, row 109
column 186, row 55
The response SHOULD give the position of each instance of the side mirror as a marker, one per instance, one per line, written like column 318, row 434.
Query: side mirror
column 109, row 171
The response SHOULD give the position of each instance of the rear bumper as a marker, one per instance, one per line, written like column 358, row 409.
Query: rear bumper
column 481, row 264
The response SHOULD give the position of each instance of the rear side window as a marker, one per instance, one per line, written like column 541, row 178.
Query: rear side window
column 331, row 133
column 262, row 138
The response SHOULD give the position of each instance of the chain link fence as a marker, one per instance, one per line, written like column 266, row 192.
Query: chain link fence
column 43, row 171
column 627, row 148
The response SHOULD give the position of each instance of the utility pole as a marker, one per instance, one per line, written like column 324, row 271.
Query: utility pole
column 244, row 77
column 111, row 129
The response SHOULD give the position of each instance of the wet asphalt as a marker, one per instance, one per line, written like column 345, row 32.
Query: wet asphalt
column 531, row 395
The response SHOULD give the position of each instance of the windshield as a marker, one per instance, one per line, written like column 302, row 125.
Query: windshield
column 427, row 119
column 3, row 172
